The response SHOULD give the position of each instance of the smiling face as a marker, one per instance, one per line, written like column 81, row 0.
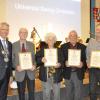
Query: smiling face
column 73, row 37
column 23, row 33
column 50, row 41
column 4, row 30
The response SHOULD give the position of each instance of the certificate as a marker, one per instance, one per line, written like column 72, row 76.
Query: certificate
column 95, row 59
column 74, row 57
column 25, row 60
column 51, row 57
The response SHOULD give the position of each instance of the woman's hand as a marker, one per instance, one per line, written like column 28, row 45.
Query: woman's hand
column 44, row 60
column 18, row 68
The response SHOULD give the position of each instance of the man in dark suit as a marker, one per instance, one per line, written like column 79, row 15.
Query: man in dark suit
column 73, row 75
column 5, row 60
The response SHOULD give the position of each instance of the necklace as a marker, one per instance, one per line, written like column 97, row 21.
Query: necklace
column 5, row 53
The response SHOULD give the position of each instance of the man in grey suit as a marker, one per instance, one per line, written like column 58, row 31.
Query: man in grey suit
column 24, row 76
column 5, row 60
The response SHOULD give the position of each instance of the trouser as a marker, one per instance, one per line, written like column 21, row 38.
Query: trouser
column 22, row 86
column 4, row 87
column 47, row 86
column 94, row 81
column 74, row 88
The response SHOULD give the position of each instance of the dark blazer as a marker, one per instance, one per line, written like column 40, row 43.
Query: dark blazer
column 5, row 68
column 67, row 70
column 43, row 69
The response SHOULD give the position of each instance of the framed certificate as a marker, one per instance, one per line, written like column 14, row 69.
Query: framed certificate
column 25, row 60
column 74, row 57
column 95, row 59
column 51, row 57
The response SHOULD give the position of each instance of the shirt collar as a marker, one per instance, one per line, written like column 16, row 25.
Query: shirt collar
column 73, row 47
column 2, row 38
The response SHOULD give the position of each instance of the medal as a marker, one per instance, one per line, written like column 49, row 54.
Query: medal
column 5, row 54
column 2, row 51
column 6, row 59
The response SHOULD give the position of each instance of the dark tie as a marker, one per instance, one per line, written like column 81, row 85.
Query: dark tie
column 23, row 48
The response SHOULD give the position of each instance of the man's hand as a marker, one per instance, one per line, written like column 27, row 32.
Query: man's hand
column 88, row 65
column 81, row 65
column 10, row 80
column 57, row 65
column 33, row 68
column 66, row 63
column 18, row 68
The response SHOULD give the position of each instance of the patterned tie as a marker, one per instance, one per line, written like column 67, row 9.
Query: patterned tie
column 4, row 44
column 6, row 52
column 23, row 47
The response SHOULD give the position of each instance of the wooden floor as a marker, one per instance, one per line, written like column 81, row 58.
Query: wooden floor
column 38, row 87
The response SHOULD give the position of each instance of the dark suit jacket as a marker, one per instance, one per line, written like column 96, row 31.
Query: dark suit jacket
column 67, row 70
column 42, row 69
column 3, row 69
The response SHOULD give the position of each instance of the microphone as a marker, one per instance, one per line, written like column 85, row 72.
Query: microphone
column 34, row 29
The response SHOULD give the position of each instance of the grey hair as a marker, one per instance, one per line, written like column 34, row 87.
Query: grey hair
column 22, row 28
column 73, row 31
column 52, row 35
column 3, row 23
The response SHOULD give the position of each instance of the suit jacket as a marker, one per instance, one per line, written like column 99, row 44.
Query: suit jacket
column 43, row 70
column 19, row 76
column 5, row 68
column 67, row 70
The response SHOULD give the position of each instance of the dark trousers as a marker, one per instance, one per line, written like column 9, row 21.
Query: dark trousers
column 22, row 86
column 94, row 80
column 4, row 87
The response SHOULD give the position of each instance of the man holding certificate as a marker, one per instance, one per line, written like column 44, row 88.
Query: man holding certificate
column 75, row 66
column 93, row 62
column 23, row 55
column 50, row 61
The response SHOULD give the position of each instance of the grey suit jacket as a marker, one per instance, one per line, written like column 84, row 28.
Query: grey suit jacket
column 19, row 76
